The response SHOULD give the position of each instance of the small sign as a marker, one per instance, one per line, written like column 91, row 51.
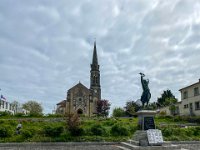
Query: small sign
column 149, row 123
column 154, row 137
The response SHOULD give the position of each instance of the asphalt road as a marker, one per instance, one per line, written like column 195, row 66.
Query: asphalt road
column 58, row 147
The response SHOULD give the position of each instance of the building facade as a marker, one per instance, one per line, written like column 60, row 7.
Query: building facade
column 80, row 99
column 6, row 107
column 190, row 102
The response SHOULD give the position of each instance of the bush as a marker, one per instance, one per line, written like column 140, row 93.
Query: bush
column 119, row 112
column 19, row 115
column 133, row 129
column 53, row 131
column 5, row 131
column 5, row 113
column 109, row 122
column 162, row 113
column 119, row 130
column 196, row 131
column 97, row 129
column 76, row 131
column 27, row 133
column 73, row 125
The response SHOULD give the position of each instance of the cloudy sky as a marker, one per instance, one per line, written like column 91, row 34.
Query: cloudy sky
column 46, row 47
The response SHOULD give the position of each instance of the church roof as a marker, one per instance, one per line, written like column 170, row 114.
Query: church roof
column 62, row 103
column 79, row 85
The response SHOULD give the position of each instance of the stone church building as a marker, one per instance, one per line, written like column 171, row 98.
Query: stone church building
column 80, row 99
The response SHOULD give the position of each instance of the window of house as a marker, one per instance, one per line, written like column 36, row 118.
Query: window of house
column 196, row 91
column 6, row 105
column 197, row 105
column 3, row 104
column 186, row 106
column 185, row 95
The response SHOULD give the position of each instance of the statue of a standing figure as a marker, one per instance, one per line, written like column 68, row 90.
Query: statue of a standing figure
column 146, row 95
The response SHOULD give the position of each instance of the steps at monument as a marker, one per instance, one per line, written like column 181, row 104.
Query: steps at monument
column 140, row 135
column 130, row 145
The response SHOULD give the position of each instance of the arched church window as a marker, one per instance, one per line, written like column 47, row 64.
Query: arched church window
column 94, row 79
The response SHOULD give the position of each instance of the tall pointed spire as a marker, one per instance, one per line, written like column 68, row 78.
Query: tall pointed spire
column 95, row 85
column 95, row 59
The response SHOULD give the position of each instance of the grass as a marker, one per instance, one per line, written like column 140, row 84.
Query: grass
column 91, row 129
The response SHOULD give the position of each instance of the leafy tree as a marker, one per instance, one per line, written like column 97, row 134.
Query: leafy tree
column 34, row 107
column 119, row 112
column 15, row 105
column 103, row 107
column 131, row 108
column 152, row 106
column 163, row 100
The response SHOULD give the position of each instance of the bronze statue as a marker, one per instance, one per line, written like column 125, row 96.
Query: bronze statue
column 146, row 95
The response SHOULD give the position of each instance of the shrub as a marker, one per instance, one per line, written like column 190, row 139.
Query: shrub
column 19, row 115
column 5, row 113
column 76, row 131
column 162, row 113
column 97, row 129
column 119, row 130
column 27, row 133
column 5, row 131
column 109, row 122
column 53, row 131
column 196, row 131
column 133, row 129
column 54, row 115
column 167, row 132
column 119, row 112
column 73, row 125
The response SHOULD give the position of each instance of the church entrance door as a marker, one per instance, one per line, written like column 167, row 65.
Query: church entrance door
column 79, row 111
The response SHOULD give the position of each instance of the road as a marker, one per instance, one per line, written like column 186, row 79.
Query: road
column 57, row 146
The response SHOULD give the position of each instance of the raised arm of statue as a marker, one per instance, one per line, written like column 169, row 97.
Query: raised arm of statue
column 142, row 80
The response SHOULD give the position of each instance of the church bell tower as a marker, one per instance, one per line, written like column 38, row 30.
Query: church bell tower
column 95, row 86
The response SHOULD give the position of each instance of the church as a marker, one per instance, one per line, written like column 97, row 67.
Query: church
column 80, row 99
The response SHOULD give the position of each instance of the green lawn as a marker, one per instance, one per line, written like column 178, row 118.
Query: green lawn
column 94, row 129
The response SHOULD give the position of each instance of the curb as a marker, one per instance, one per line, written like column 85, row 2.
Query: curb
column 57, row 144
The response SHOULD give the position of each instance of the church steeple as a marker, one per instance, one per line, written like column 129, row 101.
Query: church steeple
column 95, row 75
column 95, row 59
column 95, row 65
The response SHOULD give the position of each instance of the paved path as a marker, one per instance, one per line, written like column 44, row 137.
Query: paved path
column 86, row 146
column 58, row 146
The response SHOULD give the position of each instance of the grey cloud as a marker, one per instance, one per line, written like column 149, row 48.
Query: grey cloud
column 46, row 47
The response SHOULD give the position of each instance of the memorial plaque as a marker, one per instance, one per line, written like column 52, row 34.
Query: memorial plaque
column 154, row 137
column 149, row 123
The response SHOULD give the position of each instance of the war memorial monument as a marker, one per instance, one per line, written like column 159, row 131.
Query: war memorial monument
column 147, row 134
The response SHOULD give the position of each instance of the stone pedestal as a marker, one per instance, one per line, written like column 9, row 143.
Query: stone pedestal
column 146, row 119
column 145, row 122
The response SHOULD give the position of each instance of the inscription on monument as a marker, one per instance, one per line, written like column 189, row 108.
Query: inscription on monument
column 154, row 137
column 149, row 123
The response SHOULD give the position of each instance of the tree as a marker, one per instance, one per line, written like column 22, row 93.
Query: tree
column 15, row 105
column 118, row 112
column 153, row 106
column 131, row 108
column 163, row 100
column 34, row 107
column 103, row 107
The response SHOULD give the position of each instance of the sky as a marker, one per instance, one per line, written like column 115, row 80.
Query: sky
column 46, row 47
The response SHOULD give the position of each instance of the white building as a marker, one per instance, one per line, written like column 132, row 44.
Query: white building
column 190, row 101
column 6, row 106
